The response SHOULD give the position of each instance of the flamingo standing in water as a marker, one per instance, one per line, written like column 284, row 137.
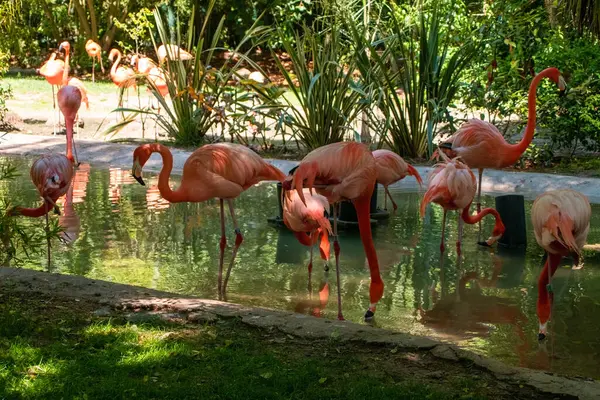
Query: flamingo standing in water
column 95, row 52
column 390, row 169
column 452, row 185
column 561, row 222
column 51, row 174
column 308, row 222
column 344, row 171
column 220, row 170
column 52, row 70
column 122, row 76
column 481, row 145
column 172, row 51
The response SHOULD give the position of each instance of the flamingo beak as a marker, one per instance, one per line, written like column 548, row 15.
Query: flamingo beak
column 542, row 333
column 562, row 85
column 61, row 48
column 136, row 172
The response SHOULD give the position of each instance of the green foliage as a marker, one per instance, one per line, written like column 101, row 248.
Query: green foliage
column 199, row 92
column 5, row 90
column 418, row 77
column 19, row 242
column 137, row 27
column 289, row 16
column 574, row 119
column 324, row 98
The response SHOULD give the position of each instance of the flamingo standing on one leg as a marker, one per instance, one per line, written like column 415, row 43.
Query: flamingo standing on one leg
column 172, row 51
column 220, row 170
column 122, row 76
column 344, row 171
column 481, row 145
column 308, row 222
column 51, row 174
column 452, row 185
column 561, row 222
column 52, row 70
column 95, row 52
column 390, row 169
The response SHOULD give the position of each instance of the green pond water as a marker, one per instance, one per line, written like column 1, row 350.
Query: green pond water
column 123, row 232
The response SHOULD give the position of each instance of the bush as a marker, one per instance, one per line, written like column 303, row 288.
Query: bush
column 574, row 119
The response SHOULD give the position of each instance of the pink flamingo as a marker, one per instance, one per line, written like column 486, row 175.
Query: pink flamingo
column 220, row 170
column 142, row 64
column 172, row 51
column 308, row 222
column 561, row 222
column 95, row 52
column 344, row 171
column 452, row 185
column 52, row 70
column 390, row 169
column 481, row 145
column 51, row 174
column 122, row 76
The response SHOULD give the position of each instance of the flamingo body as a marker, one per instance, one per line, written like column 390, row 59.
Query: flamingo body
column 344, row 171
column 52, row 70
column 171, row 50
column 142, row 64
column 391, row 168
column 221, row 170
column 561, row 222
column 122, row 76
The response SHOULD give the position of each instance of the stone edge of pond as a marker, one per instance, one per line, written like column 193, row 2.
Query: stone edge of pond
column 496, row 182
column 169, row 305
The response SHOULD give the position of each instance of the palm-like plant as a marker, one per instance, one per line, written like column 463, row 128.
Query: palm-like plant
column 198, row 91
column 417, row 77
column 324, row 99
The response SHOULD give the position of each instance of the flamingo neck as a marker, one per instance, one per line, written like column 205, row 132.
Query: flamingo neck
column 519, row 148
column 113, row 69
column 473, row 219
column 40, row 211
column 66, row 68
column 362, row 206
column 544, row 301
column 165, row 190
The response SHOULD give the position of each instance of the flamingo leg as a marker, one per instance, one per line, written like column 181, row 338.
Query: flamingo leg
column 48, row 237
column 238, row 241
column 442, row 246
column 310, row 267
column 336, row 250
column 391, row 199
column 460, row 234
column 479, row 202
column 93, row 67
column 385, row 200
column 222, row 245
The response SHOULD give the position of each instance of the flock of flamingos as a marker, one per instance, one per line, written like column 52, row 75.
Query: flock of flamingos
column 346, row 171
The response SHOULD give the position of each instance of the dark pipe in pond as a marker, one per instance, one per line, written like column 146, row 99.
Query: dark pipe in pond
column 511, row 208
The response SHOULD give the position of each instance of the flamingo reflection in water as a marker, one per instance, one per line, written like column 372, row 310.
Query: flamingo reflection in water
column 315, row 307
column 116, row 179
column 467, row 312
column 69, row 219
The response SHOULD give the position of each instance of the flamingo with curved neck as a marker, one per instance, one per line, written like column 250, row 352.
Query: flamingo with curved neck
column 220, row 170
column 122, row 76
column 498, row 230
column 481, row 145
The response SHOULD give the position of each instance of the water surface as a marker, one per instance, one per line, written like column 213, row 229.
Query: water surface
column 119, row 231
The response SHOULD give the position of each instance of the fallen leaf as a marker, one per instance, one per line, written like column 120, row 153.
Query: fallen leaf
column 322, row 380
column 266, row 375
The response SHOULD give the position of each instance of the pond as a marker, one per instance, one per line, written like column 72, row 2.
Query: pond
column 119, row 231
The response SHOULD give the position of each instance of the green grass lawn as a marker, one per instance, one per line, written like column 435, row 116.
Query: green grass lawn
column 52, row 349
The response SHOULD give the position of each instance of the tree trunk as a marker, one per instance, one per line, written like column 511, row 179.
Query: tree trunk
column 51, row 21
column 92, row 11
column 83, row 22
column 110, row 33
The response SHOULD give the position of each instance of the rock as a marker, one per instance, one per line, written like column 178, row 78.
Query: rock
column 102, row 312
column 202, row 317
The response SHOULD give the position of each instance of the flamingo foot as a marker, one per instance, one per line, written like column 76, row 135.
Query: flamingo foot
column 541, row 337
column 326, row 267
column 341, row 317
column 369, row 315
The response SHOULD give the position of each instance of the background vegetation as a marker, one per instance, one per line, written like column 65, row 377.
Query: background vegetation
column 424, row 65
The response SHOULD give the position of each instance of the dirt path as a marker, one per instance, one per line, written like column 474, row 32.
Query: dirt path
column 433, row 356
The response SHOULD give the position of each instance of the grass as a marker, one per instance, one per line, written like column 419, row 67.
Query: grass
column 51, row 348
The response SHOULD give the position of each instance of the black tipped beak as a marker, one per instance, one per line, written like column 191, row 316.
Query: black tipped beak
column 484, row 244
column 541, row 336
column 139, row 179
column 562, row 93
column 445, row 146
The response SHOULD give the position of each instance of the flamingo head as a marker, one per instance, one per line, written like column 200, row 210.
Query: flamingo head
column 554, row 75
column 65, row 47
column 113, row 53
column 543, row 312
column 90, row 41
column 140, row 157
column 134, row 60
column 13, row 211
